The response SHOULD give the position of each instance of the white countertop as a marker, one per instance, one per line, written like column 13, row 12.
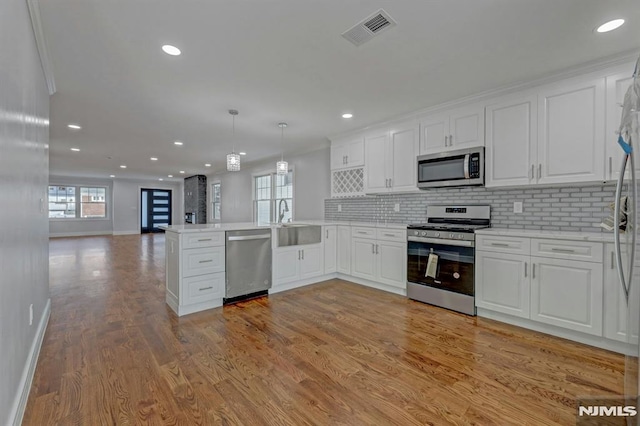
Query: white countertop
column 242, row 226
column 606, row 237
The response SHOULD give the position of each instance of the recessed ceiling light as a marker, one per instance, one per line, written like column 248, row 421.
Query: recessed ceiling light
column 153, row 158
column 74, row 126
column 178, row 143
column 160, row 179
column 171, row 50
column 242, row 153
column 347, row 115
column 182, row 171
column 122, row 166
column 207, row 165
column 169, row 175
column 610, row 26
column 75, row 149
column 112, row 175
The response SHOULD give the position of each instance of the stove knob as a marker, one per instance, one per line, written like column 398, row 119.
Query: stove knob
column 460, row 236
column 416, row 233
column 451, row 236
column 424, row 233
column 437, row 235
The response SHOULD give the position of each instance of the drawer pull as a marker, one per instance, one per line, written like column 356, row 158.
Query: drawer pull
column 363, row 232
column 561, row 250
column 206, row 261
column 500, row 245
column 204, row 239
column 205, row 288
column 389, row 235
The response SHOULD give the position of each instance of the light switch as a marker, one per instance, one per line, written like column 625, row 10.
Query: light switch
column 517, row 206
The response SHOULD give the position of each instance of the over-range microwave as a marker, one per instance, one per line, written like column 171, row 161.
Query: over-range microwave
column 463, row 167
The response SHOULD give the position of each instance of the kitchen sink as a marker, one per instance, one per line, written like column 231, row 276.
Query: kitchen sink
column 296, row 234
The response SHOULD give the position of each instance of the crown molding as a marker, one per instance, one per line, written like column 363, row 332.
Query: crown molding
column 41, row 43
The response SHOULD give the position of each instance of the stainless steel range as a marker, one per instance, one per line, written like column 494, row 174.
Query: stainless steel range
column 441, row 256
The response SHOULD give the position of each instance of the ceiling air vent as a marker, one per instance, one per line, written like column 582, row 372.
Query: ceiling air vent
column 369, row 27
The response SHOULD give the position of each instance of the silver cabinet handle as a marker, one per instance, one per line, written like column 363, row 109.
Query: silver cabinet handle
column 500, row 245
column 298, row 254
column 450, row 140
column 532, row 172
column 204, row 239
column 610, row 167
column 205, row 288
column 390, row 182
column 206, row 261
column 540, row 171
column 561, row 250
column 302, row 254
column 347, row 159
column 361, row 232
column 373, row 248
column 525, row 269
column 326, row 234
column 389, row 235
column 533, row 271
column 377, row 249
column 612, row 260
column 446, row 140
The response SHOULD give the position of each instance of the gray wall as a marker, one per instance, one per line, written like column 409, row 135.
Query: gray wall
column 24, row 228
column 311, row 187
column 575, row 208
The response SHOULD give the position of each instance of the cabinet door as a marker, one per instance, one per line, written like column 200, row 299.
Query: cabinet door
column 567, row 293
column 285, row 265
column 311, row 261
column 344, row 250
column 339, row 156
column 511, row 142
column 571, row 132
column 615, row 304
column 355, row 153
column 404, row 150
column 376, row 159
column 203, row 288
column 391, row 263
column 466, row 127
column 363, row 258
column 503, row 283
column 330, row 249
column 617, row 86
column 434, row 129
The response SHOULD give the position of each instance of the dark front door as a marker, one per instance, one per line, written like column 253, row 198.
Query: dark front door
column 155, row 209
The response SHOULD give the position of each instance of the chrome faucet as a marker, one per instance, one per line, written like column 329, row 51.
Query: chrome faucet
column 280, row 211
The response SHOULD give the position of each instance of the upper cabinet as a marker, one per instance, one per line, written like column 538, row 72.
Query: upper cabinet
column 345, row 154
column 347, row 167
column 456, row 129
column 617, row 85
column 390, row 159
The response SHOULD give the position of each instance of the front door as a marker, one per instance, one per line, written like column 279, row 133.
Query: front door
column 155, row 209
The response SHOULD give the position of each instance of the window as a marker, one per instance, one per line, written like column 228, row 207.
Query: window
column 215, row 201
column 63, row 202
column 273, row 198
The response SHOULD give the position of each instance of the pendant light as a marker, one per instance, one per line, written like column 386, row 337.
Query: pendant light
column 282, row 167
column 233, row 159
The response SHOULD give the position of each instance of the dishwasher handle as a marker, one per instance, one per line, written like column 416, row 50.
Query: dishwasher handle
column 249, row 237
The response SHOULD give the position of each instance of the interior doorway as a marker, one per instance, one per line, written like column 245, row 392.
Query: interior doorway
column 155, row 209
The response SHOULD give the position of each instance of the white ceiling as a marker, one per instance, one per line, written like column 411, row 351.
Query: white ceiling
column 285, row 60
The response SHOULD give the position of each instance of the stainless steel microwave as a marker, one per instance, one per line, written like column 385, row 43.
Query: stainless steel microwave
column 463, row 167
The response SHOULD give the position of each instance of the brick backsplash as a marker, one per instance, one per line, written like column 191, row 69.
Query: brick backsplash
column 576, row 208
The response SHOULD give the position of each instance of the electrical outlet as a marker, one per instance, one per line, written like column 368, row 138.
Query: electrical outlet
column 31, row 314
column 339, row 208
column 396, row 208
column 517, row 206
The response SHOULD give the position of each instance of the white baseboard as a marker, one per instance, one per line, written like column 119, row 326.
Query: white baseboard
column 126, row 232
column 20, row 403
column 78, row 234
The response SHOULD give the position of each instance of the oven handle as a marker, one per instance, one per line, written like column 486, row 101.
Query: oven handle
column 443, row 242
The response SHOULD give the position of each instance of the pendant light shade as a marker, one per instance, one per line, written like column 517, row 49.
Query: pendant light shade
column 282, row 167
column 233, row 159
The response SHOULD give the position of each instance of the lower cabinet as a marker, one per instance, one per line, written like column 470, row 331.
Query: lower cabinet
column 330, row 248
column 616, row 308
column 297, row 263
column 379, row 260
column 343, row 252
column 503, row 283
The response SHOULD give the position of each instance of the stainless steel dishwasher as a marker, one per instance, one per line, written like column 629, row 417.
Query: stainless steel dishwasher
column 248, row 264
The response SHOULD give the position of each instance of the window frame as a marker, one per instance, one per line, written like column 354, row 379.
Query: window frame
column 213, row 202
column 272, row 196
column 78, row 202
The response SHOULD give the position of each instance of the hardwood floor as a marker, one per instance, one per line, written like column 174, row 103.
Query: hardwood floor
column 330, row 353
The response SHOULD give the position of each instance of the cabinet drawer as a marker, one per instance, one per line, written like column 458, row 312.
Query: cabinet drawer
column 391, row 234
column 202, row 239
column 512, row 245
column 203, row 288
column 564, row 249
column 202, row 261
column 363, row 232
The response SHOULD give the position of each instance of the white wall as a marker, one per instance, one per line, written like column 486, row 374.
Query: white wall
column 24, row 227
column 312, row 180
column 126, row 203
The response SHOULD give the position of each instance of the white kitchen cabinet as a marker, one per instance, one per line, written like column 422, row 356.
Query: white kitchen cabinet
column 571, row 131
column 363, row 258
column 390, row 159
column 343, row 258
column 380, row 258
column 456, row 129
column 615, row 303
column 330, row 248
column 567, row 293
column 617, row 85
column 511, row 141
column 392, row 263
column 349, row 153
column 503, row 282
column 296, row 263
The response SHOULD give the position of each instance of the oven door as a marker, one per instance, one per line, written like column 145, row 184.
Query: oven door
column 454, row 270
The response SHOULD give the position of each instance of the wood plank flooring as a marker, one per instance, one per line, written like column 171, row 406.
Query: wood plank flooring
column 334, row 353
